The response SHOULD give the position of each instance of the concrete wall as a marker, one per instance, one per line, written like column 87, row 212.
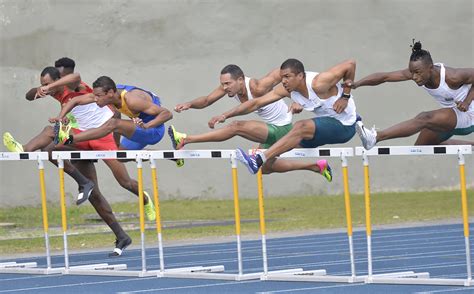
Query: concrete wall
column 177, row 48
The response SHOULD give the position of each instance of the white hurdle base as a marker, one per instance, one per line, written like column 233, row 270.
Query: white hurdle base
column 312, row 276
column 29, row 268
column 421, row 281
column 201, row 274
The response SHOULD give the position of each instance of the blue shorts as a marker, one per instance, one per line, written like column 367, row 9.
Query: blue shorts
column 142, row 137
column 329, row 131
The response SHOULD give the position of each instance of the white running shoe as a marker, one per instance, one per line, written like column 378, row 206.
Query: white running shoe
column 368, row 137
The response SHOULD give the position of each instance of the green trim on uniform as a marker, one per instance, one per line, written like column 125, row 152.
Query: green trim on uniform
column 275, row 133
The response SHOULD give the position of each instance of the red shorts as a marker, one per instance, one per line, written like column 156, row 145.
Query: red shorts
column 104, row 143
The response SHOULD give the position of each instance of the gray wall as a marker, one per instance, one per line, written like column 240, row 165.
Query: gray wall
column 177, row 48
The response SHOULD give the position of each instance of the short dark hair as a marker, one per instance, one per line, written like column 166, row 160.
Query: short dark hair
column 105, row 83
column 234, row 71
column 420, row 54
column 65, row 62
column 52, row 72
column 294, row 65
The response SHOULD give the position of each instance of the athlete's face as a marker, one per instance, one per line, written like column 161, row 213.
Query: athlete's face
column 290, row 80
column 103, row 98
column 46, row 80
column 230, row 85
column 421, row 71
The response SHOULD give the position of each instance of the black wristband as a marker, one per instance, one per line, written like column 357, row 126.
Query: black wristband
column 345, row 96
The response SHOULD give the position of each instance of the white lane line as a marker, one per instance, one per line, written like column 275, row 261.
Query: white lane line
column 187, row 287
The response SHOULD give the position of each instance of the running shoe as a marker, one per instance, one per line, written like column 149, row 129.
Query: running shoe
column 149, row 208
column 177, row 139
column 250, row 161
column 324, row 169
column 61, row 133
column 85, row 192
column 120, row 246
column 11, row 144
column 368, row 137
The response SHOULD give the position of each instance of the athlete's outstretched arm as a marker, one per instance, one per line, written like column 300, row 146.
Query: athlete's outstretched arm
column 382, row 77
column 251, row 105
column 203, row 101
column 79, row 100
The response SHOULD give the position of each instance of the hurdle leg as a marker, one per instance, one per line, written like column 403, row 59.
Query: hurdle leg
column 465, row 217
column 45, row 213
column 156, row 198
column 368, row 224
column 261, row 209
column 347, row 202
column 62, row 200
column 235, row 187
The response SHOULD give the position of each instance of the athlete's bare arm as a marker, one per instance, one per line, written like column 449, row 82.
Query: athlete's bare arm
column 249, row 106
column 138, row 105
column 382, row 77
column 458, row 77
column 203, row 101
column 79, row 100
column 264, row 85
column 72, row 81
column 325, row 83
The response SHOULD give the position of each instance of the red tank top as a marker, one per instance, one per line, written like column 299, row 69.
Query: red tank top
column 68, row 94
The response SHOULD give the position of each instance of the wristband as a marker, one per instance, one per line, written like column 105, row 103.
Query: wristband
column 346, row 96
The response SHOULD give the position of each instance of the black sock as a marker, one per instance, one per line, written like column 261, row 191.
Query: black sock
column 78, row 177
column 118, row 231
column 259, row 160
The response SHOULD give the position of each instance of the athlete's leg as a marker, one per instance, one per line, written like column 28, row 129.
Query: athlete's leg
column 428, row 137
column 123, row 178
column 302, row 130
column 252, row 130
column 41, row 141
column 457, row 142
column 103, row 208
column 440, row 120
column 124, row 127
column 278, row 165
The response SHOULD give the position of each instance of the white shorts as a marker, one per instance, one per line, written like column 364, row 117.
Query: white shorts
column 464, row 119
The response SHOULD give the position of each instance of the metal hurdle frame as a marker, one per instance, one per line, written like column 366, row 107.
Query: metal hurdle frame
column 319, row 275
column 412, row 277
column 105, row 269
column 32, row 267
column 215, row 272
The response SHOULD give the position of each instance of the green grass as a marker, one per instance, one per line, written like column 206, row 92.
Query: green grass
column 283, row 214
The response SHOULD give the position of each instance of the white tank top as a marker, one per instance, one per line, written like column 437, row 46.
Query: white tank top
column 446, row 96
column 324, row 107
column 275, row 113
column 91, row 116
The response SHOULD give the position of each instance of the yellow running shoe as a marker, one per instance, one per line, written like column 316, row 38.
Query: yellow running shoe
column 177, row 139
column 149, row 208
column 61, row 133
column 11, row 144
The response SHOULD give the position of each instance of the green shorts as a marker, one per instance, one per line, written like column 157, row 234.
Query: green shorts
column 275, row 133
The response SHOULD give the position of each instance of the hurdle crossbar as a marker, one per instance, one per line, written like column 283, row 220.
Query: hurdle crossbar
column 32, row 267
column 318, row 275
column 411, row 277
